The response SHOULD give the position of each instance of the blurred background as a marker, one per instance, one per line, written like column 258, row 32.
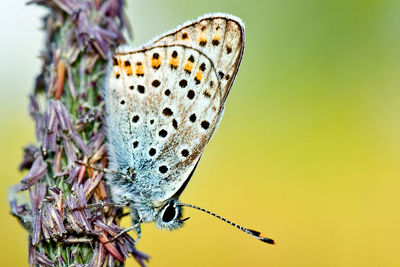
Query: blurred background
column 308, row 151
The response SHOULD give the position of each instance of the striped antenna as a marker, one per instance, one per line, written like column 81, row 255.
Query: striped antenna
column 253, row 233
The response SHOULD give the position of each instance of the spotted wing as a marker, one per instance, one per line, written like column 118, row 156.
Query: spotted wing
column 164, row 103
column 220, row 37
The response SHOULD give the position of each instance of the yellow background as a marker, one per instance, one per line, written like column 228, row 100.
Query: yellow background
column 308, row 151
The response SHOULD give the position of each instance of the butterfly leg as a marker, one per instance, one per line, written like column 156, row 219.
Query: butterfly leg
column 108, row 204
column 101, row 205
column 94, row 167
column 136, row 222
column 138, row 230
column 135, row 227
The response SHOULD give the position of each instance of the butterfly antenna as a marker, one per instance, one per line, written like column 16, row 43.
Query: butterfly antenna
column 253, row 233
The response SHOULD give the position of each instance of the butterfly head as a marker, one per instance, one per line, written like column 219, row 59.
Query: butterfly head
column 170, row 216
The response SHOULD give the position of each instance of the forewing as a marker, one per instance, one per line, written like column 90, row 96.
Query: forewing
column 220, row 37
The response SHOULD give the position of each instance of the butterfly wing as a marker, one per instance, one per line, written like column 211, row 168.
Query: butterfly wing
column 220, row 37
column 164, row 103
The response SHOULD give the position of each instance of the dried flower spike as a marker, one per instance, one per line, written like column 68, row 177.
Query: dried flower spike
column 67, row 109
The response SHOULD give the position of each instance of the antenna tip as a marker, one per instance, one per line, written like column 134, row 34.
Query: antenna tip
column 267, row 240
column 259, row 236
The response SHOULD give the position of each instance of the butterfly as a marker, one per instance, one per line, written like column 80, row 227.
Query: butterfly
column 164, row 102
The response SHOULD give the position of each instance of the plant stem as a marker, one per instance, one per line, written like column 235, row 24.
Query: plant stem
column 67, row 108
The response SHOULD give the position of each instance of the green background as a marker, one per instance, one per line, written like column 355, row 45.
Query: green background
column 308, row 151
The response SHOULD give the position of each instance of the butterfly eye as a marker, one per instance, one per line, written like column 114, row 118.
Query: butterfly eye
column 169, row 213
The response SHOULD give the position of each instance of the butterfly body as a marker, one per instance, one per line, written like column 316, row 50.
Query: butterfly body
column 163, row 104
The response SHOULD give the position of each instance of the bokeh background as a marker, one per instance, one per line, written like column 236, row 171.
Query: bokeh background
column 308, row 150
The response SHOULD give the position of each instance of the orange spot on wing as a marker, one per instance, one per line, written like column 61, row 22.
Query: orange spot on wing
column 202, row 40
column 188, row 67
column 207, row 93
column 199, row 75
column 139, row 69
column 174, row 63
column 116, row 62
column 155, row 63
column 128, row 68
column 129, row 71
